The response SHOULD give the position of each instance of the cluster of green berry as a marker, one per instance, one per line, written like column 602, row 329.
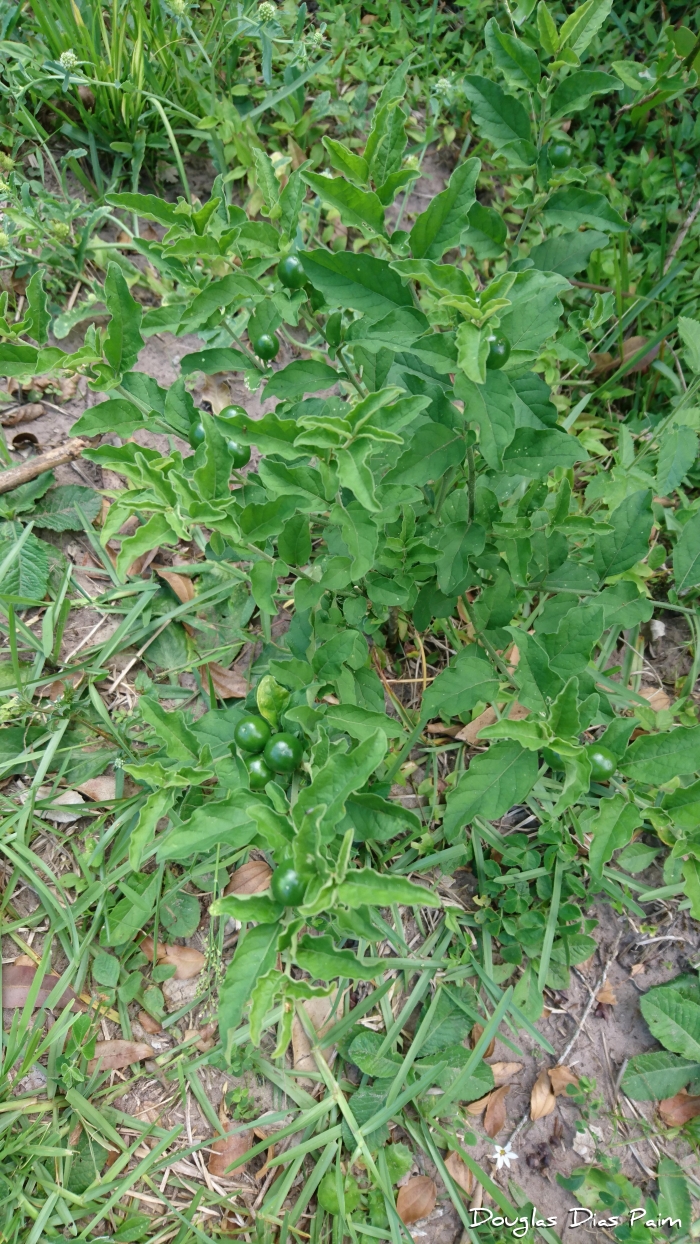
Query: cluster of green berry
column 240, row 454
column 291, row 273
column 268, row 755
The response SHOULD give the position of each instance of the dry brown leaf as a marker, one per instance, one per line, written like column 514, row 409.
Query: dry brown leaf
column 148, row 1023
column 542, row 1099
column 656, row 698
column 478, row 1107
column 606, row 995
column 228, row 684
column 460, row 1172
column 675, row 1111
column 638, row 969
column 468, row 734
column 115, row 1055
column 367, row 20
column 476, row 1035
column 17, row 980
column 416, row 1199
column 187, row 961
column 225, row 1151
column 204, row 1041
column 100, row 789
column 216, row 392
column 606, row 362
column 180, row 584
column 22, row 414
column 250, row 878
column 320, row 1012
column 560, row 1077
column 495, row 1116
column 58, row 812
column 25, row 961
column 504, row 1071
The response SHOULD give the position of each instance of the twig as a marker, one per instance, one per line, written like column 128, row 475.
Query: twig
column 14, row 476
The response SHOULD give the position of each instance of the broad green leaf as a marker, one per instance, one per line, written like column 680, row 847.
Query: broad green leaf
column 357, row 207
column 148, row 207
column 491, row 406
column 216, row 296
column 569, row 254
column 431, row 451
column 629, row 540
column 38, row 309
column 441, row 225
column 518, row 63
column 583, row 24
column 290, row 204
column 294, row 541
column 263, row 585
column 156, row 806
column 360, row 534
column 123, row 340
column 674, row 1204
column 472, row 351
column 468, row 679
column 636, row 857
column 624, row 606
column 115, row 415
column 248, row 907
column 689, row 331
column 215, row 360
column 171, row 729
column 612, row 828
column 319, row 957
column 265, row 177
column 149, row 536
column 396, row 331
column 338, row 779
column 657, row 758
column 355, row 474
column 255, row 955
column 272, row 700
column 487, row 233
column 576, row 91
column 495, row 781
column 347, row 162
column 500, row 117
column 300, row 377
column 360, row 723
column 677, row 453
column 57, row 512
column 386, row 142
column 373, row 818
column 534, row 314
column 28, row 575
column 212, row 470
column 535, row 453
column 686, row 556
column 674, row 1020
column 364, row 1053
column 359, row 282
column 574, row 206
column 653, row 1077
column 683, row 806
column 364, row 885
column 546, row 29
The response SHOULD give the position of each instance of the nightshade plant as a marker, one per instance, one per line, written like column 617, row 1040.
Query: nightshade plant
column 437, row 490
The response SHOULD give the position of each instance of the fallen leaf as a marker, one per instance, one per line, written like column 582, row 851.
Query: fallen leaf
column 542, row 1099
column 216, row 392
column 560, row 1077
column 367, row 20
column 638, row 969
column 656, row 697
column 148, row 1023
column 586, row 1142
column 607, row 362
column 115, row 1055
column 58, row 812
column 180, row 584
column 250, row 878
column 416, row 1199
column 228, row 684
column 320, row 1012
column 606, row 995
column 460, row 1172
column 468, row 734
column 22, row 414
column 225, row 1151
column 476, row 1035
column 100, row 789
column 187, row 961
column 495, row 1116
column 675, row 1111
column 204, row 1040
column 478, row 1107
column 18, row 979
column 504, row 1071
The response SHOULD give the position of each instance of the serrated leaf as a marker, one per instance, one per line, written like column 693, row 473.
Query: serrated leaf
column 686, row 556
column 57, row 509
column 653, row 1077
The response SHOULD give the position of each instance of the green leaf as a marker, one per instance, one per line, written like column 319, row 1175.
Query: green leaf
column 547, row 30
column 272, row 700
column 212, row 361
column 216, row 296
column 115, row 415
column 228, row 821
column 123, row 340
column 294, row 541
column 495, row 781
column 39, row 315
column 518, row 63
column 472, row 351
column 364, row 1053
column 654, row 1077
column 319, row 957
column 357, row 207
column 179, row 913
column 487, row 233
column 339, row 778
column 364, row 885
column 360, row 723
column 686, row 556
column 636, row 857
column 677, row 453
column 441, row 225
column 258, row 907
column 255, row 955
column 360, row 533
column 28, row 576
column 265, row 177
column 355, row 475
column 657, row 758
column 689, row 332
column 149, row 536
column 674, row 1198
column 673, row 1019
column 171, row 729
column 359, row 282
column 568, row 254
column 300, row 377
column 346, row 161
column 624, row 606
column 105, row 970
column 683, row 805
column 156, row 806
column 57, row 512
column 432, row 450
column 148, row 207
column 386, row 141
column 583, row 24
column 469, row 679
column 263, row 585
column 500, row 117
column 575, row 92
column 535, row 453
column 573, row 207
column 375, row 819
column 491, row 406
column 629, row 541
column 613, row 827
column 534, row 314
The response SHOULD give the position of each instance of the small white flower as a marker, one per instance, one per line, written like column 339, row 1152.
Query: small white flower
column 503, row 1156
column 266, row 12
column 179, row 7
column 68, row 60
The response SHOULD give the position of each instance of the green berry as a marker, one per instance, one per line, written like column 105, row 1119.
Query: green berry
column 251, row 734
column 240, row 454
column 291, row 273
column 196, row 434
column 559, row 153
column 283, row 753
column 603, row 762
column 286, row 886
column 258, row 773
column 230, row 412
column 266, row 346
column 499, row 351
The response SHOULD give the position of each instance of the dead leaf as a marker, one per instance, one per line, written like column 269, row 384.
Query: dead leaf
column 17, row 980
column 22, row 414
column 542, row 1099
column 100, row 789
column 148, row 1023
column 320, row 1012
column 495, row 1116
column 225, row 1151
column 215, row 392
column 476, row 1035
column 367, row 20
column 115, row 1055
column 606, row 362
column 416, row 1199
column 58, row 812
column 228, row 684
column 24, row 961
column 203, row 1042
column 606, row 995
column 638, row 969
column 504, row 1071
column 460, row 1172
column 468, row 734
column 478, row 1107
column 187, row 961
column 250, row 878
column 656, row 698
column 675, row 1111
column 180, row 584
column 560, row 1077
